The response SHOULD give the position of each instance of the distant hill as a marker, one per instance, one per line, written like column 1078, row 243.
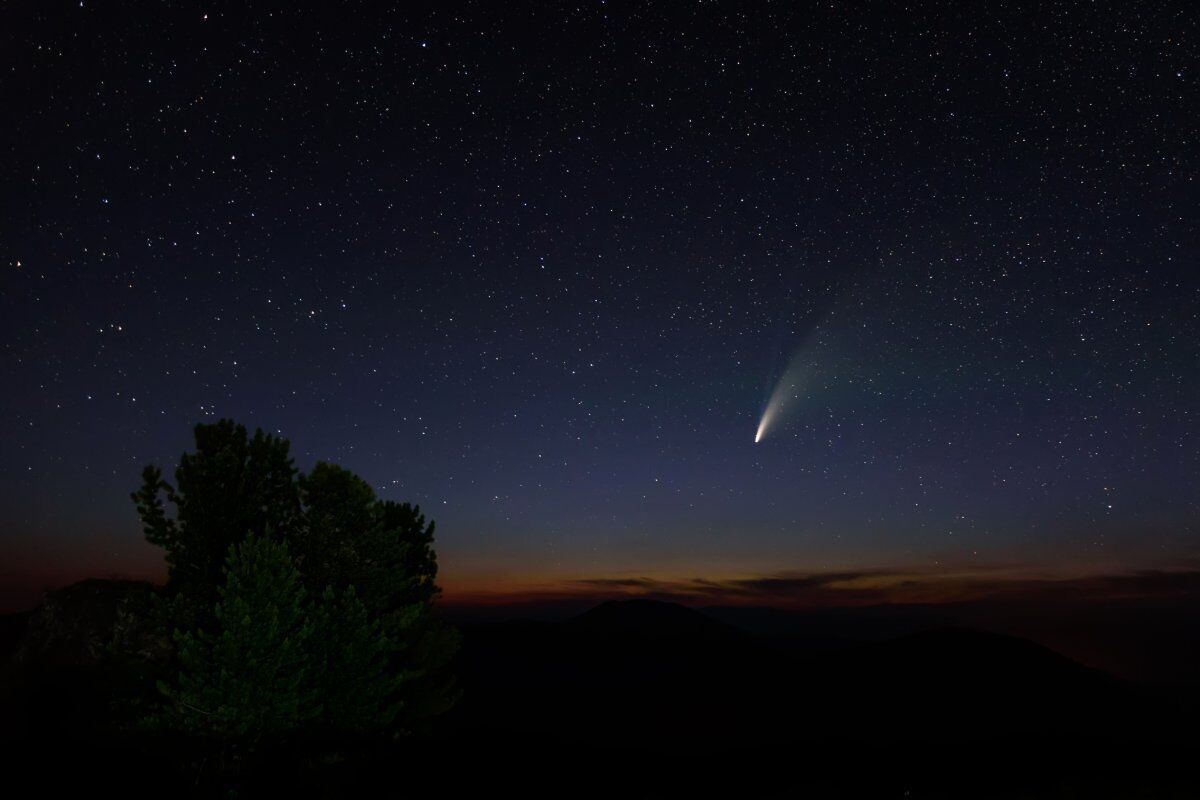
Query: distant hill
column 667, row 685
column 654, row 699
column 653, row 658
column 652, row 619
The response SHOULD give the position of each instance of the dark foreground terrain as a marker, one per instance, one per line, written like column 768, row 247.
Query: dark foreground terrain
column 650, row 699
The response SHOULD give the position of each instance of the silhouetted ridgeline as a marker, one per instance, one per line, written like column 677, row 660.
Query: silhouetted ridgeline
column 789, row 708
column 650, row 699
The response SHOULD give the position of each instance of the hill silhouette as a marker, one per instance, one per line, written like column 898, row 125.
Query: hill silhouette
column 671, row 685
column 652, row 619
column 654, row 699
column 643, row 657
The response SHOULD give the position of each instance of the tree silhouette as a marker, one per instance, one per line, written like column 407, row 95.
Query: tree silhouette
column 252, row 676
column 233, row 484
column 357, row 592
column 348, row 538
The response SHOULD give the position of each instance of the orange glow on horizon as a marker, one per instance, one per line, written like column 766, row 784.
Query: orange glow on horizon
column 795, row 589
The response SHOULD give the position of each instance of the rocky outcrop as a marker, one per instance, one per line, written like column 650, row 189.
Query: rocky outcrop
column 86, row 622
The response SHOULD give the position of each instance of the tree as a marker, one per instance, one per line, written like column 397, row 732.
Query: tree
column 348, row 538
column 252, row 677
column 338, row 515
column 233, row 484
column 374, row 654
column 357, row 685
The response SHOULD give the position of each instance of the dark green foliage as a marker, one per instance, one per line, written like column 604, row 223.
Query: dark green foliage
column 232, row 484
column 384, row 550
column 350, row 622
column 252, row 677
column 357, row 685
column 349, row 537
column 430, row 689
column 407, row 549
column 339, row 514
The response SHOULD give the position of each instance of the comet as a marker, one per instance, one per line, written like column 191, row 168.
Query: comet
column 791, row 387
column 801, row 376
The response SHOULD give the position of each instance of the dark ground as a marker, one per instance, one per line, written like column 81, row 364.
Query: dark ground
column 647, row 699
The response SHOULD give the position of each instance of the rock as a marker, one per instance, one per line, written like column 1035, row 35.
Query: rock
column 76, row 625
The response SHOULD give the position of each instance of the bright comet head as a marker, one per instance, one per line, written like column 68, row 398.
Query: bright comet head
column 762, row 427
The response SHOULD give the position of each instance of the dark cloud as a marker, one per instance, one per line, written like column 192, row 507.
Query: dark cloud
column 617, row 583
column 876, row 587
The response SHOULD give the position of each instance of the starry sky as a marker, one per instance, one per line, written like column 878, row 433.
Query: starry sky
column 538, row 268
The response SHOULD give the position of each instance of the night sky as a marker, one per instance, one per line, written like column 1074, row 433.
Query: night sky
column 540, row 269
